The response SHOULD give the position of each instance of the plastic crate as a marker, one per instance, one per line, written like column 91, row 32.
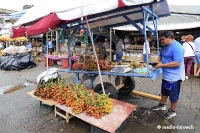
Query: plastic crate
column 42, row 105
column 65, row 63
column 95, row 129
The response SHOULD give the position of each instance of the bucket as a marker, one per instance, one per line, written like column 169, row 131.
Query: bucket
column 65, row 63
column 50, row 61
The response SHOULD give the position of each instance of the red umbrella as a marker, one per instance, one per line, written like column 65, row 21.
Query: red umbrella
column 43, row 25
column 20, row 32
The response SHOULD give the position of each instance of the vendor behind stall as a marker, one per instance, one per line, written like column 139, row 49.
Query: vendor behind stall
column 106, row 45
column 119, row 50
column 127, row 42
column 50, row 46
column 29, row 45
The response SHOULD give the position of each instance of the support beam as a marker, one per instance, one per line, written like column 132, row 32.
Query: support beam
column 133, row 23
column 149, row 11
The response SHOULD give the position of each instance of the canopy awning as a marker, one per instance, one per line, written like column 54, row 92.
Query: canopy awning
column 184, row 15
column 19, row 32
column 95, row 10
column 49, row 22
column 173, row 22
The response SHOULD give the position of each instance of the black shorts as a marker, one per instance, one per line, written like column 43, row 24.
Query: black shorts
column 50, row 49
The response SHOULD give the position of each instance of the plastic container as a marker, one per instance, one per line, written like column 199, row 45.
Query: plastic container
column 50, row 61
column 65, row 62
column 74, row 58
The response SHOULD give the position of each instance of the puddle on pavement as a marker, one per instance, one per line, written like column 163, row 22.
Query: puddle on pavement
column 147, row 120
column 10, row 89
column 146, row 116
column 14, row 88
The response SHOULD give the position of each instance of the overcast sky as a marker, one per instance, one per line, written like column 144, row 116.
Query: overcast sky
column 18, row 4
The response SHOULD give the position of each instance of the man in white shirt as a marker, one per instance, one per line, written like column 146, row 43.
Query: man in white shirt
column 127, row 42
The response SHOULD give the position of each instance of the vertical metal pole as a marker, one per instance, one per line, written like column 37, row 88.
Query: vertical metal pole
column 156, row 29
column 47, row 49
column 95, row 55
column 52, row 39
column 68, row 46
column 110, row 44
column 155, row 23
column 26, row 34
column 145, row 18
column 57, row 46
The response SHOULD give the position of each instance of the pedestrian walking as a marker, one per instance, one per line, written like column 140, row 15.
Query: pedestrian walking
column 189, row 48
column 197, row 57
column 170, row 59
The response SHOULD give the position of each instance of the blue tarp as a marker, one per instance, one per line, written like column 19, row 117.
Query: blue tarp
column 18, row 14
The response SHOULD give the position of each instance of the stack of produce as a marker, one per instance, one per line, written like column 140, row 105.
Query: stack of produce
column 5, row 38
column 77, row 97
column 78, row 66
column 91, row 65
column 105, row 64
column 20, row 39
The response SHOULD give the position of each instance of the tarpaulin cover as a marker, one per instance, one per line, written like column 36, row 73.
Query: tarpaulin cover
column 17, row 62
column 78, row 8
column 44, row 24
column 19, row 32
column 18, row 14
column 184, row 15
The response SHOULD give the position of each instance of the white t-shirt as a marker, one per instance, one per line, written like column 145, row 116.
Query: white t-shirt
column 188, row 50
column 144, row 48
column 128, row 40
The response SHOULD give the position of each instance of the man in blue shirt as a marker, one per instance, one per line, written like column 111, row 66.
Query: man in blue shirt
column 170, row 59
column 29, row 45
column 50, row 46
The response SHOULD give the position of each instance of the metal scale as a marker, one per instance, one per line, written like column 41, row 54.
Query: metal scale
column 121, row 69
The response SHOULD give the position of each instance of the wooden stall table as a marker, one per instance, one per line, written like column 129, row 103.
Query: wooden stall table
column 108, row 123
column 49, row 102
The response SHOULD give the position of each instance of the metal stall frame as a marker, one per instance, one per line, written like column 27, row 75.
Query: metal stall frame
column 80, row 23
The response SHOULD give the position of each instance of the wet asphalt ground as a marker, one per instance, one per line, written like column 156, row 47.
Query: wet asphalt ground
column 21, row 113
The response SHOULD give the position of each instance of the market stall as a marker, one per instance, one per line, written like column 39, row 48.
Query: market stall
column 89, row 17
column 131, row 14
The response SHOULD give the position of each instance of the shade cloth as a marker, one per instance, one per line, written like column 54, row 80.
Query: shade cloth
column 19, row 32
column 42, row 26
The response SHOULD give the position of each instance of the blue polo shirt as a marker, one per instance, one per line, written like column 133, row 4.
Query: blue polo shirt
column 50, row 44
column 172, row 53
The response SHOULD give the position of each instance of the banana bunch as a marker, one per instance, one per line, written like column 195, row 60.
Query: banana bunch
column 20, row 39
column 137, row 64
column 5, row 38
